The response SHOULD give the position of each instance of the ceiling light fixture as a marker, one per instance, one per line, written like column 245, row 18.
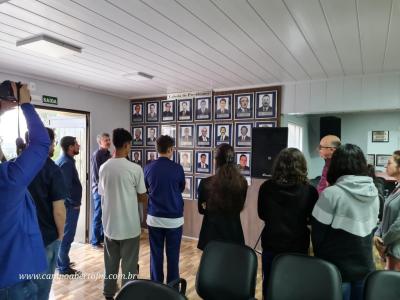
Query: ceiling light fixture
column 49, row 46
column 139, row 76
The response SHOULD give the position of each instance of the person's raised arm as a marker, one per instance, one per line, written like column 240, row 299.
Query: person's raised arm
column 28, row 164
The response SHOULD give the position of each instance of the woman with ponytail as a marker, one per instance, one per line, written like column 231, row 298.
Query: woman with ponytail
column 221, row 199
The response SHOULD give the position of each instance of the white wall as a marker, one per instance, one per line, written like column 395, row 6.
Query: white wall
column 345, row 94
column 106, row 112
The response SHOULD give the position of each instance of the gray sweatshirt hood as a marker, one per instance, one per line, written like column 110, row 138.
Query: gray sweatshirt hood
column 361, row 188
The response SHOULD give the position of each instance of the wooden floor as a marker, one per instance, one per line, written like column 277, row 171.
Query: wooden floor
column 90, row 261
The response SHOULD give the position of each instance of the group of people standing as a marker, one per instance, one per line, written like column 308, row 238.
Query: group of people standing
column 342, row 212
column 40, row 202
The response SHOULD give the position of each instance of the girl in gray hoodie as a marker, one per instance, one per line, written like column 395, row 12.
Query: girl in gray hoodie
column 344, row 218
column 387, row 237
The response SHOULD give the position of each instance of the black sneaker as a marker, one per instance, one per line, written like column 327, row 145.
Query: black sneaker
column 71, row 271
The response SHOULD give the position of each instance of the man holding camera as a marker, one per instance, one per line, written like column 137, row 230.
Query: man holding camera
column 21, row 247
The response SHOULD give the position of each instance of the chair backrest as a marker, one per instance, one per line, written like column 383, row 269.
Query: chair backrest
column 143, row 289
column 382, row 285
column 227, row 271
column 301, row 277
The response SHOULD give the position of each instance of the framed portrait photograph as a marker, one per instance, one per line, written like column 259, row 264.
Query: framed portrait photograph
column 266, row 104
column 151, row 155
column 266, row 124
column 223, row 134
column 168, row 110
column 243, row 162
column 137, row 115
column 137, row 156
column 151, row 135
column 223, row 107
column 203, row 109
column 185, row 159
column 203, row 162
column 170, row 130
column 380, row 136
column 186, row 134
column 188, row 191
column 244, row 106
column 204, row 135
column 185, row 110
column 381, row 159
column 137, row 135
column 243, row 134
column 152, row 111
column 371, row 159
column 196, row 187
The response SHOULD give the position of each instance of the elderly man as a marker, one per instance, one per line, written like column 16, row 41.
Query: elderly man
column 327, row 147
column 99, row 157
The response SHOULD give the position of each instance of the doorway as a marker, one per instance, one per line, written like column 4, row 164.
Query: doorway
column 64, row 122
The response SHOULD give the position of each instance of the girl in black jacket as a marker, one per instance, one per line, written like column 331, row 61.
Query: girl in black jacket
column 285, row 203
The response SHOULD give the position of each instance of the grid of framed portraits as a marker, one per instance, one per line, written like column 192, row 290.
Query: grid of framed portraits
column 199, row 125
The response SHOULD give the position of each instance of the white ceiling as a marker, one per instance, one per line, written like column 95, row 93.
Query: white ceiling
column 202, row 44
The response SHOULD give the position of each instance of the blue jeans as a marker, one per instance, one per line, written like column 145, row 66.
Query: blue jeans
column 25, row 290
column 353, row 290
column 69, row 233
column 97, row 226
column 44, row 284
column 171, row 237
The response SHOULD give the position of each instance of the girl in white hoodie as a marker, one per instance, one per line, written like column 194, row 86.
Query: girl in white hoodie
column 344, row 218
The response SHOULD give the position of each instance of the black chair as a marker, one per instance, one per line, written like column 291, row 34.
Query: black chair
column 382, row 285
column 143, row 289
column 300, row 277
column 227, row 271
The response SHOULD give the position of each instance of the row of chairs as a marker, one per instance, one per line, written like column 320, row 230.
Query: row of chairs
column 229, row 271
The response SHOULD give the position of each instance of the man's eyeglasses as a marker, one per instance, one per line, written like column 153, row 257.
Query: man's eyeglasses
column 325, row 147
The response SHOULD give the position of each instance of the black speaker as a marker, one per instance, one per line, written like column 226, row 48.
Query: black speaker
column 329, row 125
column 267, row 142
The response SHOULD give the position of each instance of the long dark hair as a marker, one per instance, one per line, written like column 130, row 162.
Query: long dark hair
column 227, row 190
column 290, row 167
column 348, row 159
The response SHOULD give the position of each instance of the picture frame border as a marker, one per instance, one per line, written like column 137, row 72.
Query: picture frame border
column 133, row 103
column 230, row 96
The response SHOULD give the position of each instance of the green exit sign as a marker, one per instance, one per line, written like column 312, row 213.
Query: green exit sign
column 50, row 100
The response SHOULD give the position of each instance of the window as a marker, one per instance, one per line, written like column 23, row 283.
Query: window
column 295, row 138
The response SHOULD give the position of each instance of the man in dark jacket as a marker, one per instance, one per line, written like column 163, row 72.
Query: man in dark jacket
column 66, row 162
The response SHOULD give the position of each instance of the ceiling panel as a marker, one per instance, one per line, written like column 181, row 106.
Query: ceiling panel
column 310, row 18
column 225, row 24
column 374, row 24
column 276, row 17
column 244, row 16
column 392, row 61
column 342, row 19
column 167, row 26
column 203, row 35
column 102, row 18
column 43, row 15
column 200, row 45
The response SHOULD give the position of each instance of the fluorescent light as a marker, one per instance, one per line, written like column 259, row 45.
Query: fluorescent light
column 139, row 76
column 49, row 46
